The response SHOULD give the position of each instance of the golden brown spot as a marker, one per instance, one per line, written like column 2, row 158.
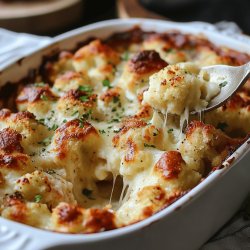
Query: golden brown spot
column 13, row 199
column 68, row 213
column 33, row 93
column 83, row 98
column 100, row 220
column 13, row 161
column 147, row 211
column 72, row 130
column 22, row 115
column 110, row 94
column 170, row 164
column 146, row 61
column 193, row 125
column 129, row 123
column 10, row 141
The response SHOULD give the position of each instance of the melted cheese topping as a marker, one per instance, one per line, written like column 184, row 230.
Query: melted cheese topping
column 88, row 149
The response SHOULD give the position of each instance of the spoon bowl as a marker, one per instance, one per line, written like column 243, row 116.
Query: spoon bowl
column 230, row 79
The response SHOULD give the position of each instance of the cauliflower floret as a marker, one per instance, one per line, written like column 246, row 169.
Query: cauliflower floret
column 179, row 87
column 234, row 116
column 72, row 80
column 51, row 188
column 97, row 60
column 205, row 148
column 30, row 213
column 137, row 71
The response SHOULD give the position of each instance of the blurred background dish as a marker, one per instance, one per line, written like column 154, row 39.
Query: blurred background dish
column 40, row 16
column 211, row 11
column 52, row 17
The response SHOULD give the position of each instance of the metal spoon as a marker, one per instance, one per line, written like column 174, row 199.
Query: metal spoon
column 230, row 78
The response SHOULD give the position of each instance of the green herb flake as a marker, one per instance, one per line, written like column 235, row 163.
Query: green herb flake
column 54, row 127
column 50, row 171
column 41, row 121
column 116, row 99
column 87, row 115
column 88, row 193
column 170, row 130
column 102, row 131
column 46, row 141
column 44, row 97
column 169, row 50
column 38, row 198
column 114, row 120
column 223, row 84
column 64, row 121
column 86, row 88
column 39, row 84
column 148, row 145
column 125, row 56
column 84, row 98
column 222, row 126
column 75, row 113
column 106, row 83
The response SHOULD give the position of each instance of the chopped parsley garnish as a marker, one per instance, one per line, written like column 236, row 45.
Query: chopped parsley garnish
column 39, row 84
column 116, row 99
column 169, row 50
column 114, row 120
column 223, row 84
column 81, row 122
column 75, row 113
column 170, row 130
column 44, row 97
column 102, row 131
column 38, row 198
column 41, row 121
column 54, row 127
column 148, row 145
column 125, row 56
column 116, row 130
column 86, row 88
column 87, row 115
column 64, row 121
column 88, row 193
column 222, row 126
column 46, row 141
column 106, row 83
column 84, row 98
column 50, row 171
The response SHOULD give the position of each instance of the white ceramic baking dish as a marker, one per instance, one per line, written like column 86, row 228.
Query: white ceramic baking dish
column 184, row 225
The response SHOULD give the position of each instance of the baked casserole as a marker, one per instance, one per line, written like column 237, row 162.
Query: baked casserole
column 101, row 137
